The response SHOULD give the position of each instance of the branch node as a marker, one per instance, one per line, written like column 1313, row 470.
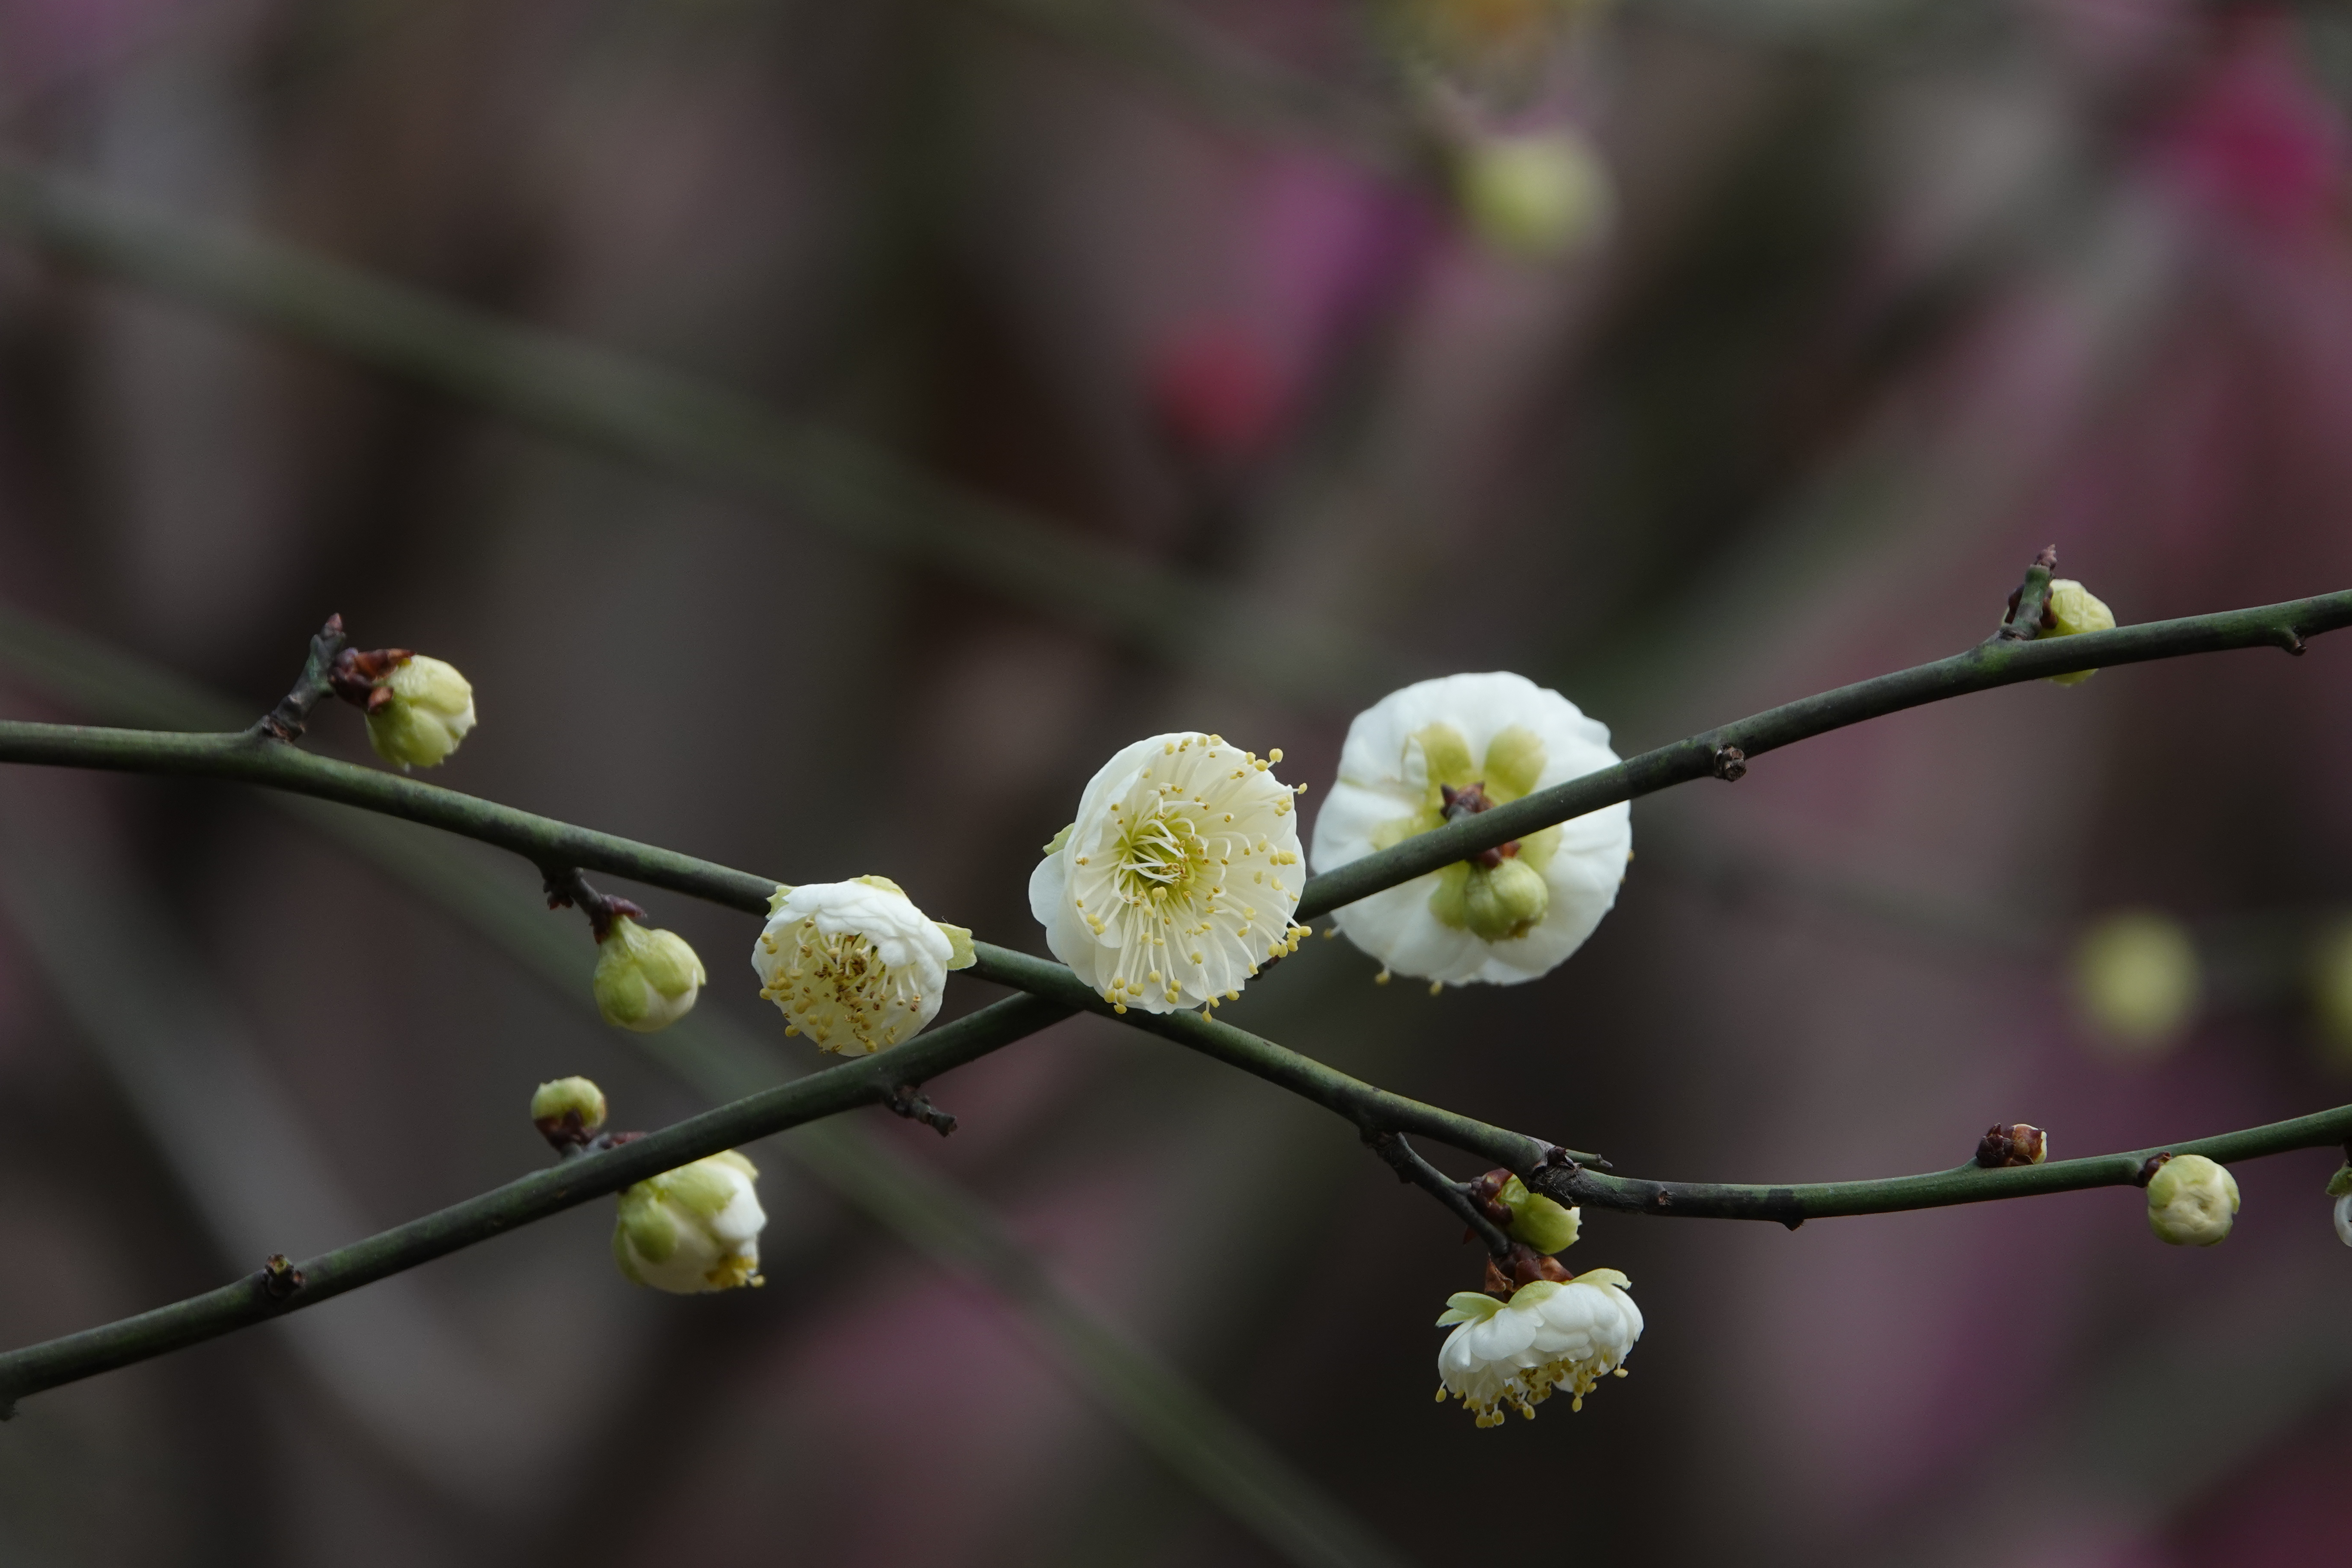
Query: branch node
column 279, row 1278
column 2150, row 1166
column 566, row 887
column 2290, row 639
column 905, row 1101
column 2012, row 1144
column 1729, row 763
column 2029, row 612
column 292, row 715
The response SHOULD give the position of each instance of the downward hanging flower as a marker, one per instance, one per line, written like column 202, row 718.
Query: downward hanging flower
column 1453, row 747
column 855, row 965
column 1546, row 1337
column 693, row 1229
column 1178, row 879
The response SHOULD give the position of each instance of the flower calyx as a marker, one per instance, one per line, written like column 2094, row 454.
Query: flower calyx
column 1531, row 1219
column 1525, row 1265
column 2012, row 1144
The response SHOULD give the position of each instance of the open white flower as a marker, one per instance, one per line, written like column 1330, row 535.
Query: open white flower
column 692, row 1229
column 1443, row 748
column 855, row 966
column 1178, row 879
column 1547, row 1336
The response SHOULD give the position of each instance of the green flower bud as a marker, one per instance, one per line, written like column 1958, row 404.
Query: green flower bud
column 1542, row 1222
column 645, row 980
column 1503, row 902
column 693, row 1229
column 2191, row 1200
column 2136, row 981
column 1534, row 197
column 569, row 1106
column 2073, row 610
column 429, row 710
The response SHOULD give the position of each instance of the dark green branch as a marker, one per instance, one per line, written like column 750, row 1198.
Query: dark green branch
column 1792, row 1205
column 1998, row 662
column 252, row 1299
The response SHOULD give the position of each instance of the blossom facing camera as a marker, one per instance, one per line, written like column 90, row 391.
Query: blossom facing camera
column 1179, row 876
column 645, row 980
column 1543, row 1223
column 2191, row 1200
column 693, row 1229
column 1535, row 197
column 1546, row 1337
column 2136, row 981
column 1453, row 747
column 568, row 1110
column 424, row 708
column 855, row 965
column 2075, row 609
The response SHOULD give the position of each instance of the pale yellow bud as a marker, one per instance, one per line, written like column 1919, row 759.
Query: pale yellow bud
column 430, row 709
column 2073, row 610
column 2191, row 1200
column 693, row 1229
column 1543, row 1223
column 569, row 1104
column 645, row 980
column 2136, row 981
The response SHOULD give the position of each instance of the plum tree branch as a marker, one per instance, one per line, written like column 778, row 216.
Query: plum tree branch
column 1053, row 992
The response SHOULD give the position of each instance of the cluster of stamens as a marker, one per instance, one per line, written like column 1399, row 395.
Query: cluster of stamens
column 836, row 982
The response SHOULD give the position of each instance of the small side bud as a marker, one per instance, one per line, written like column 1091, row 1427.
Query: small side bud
column 1542, row 1222
column 2191, row 1200
column 693, row 1229
column 2013, row 1143
column 2136, row 981
column 567, row 1110
column 645, row 980
column 2072, row 609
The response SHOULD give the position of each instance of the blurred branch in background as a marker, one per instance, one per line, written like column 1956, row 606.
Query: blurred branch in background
column 1162, row 1410
column 613, row 403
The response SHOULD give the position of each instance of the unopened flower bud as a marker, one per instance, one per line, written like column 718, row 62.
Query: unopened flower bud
column 2191, row 1200
column 1542, row 1222
column 645, row 980
column 2014, row 1144
column 568, row 1110
column 1534, row 197
column 2343, row 1219
column 1504, row 901
column 2136, row 981
column 693, row 1229
column 2073, row 608
column 419, row 710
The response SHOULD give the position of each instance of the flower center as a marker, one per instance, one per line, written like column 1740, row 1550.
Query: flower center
column 1159, row 854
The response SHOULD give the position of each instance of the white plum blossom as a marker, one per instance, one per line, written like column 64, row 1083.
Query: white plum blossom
column 1443, row 748
column 1550, row 1335
column 855, row 965
column 693, row 1229
column 2343, row 1219
column 1179, row 876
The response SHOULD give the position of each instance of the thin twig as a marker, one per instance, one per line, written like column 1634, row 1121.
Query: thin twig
column 1406, row 1161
